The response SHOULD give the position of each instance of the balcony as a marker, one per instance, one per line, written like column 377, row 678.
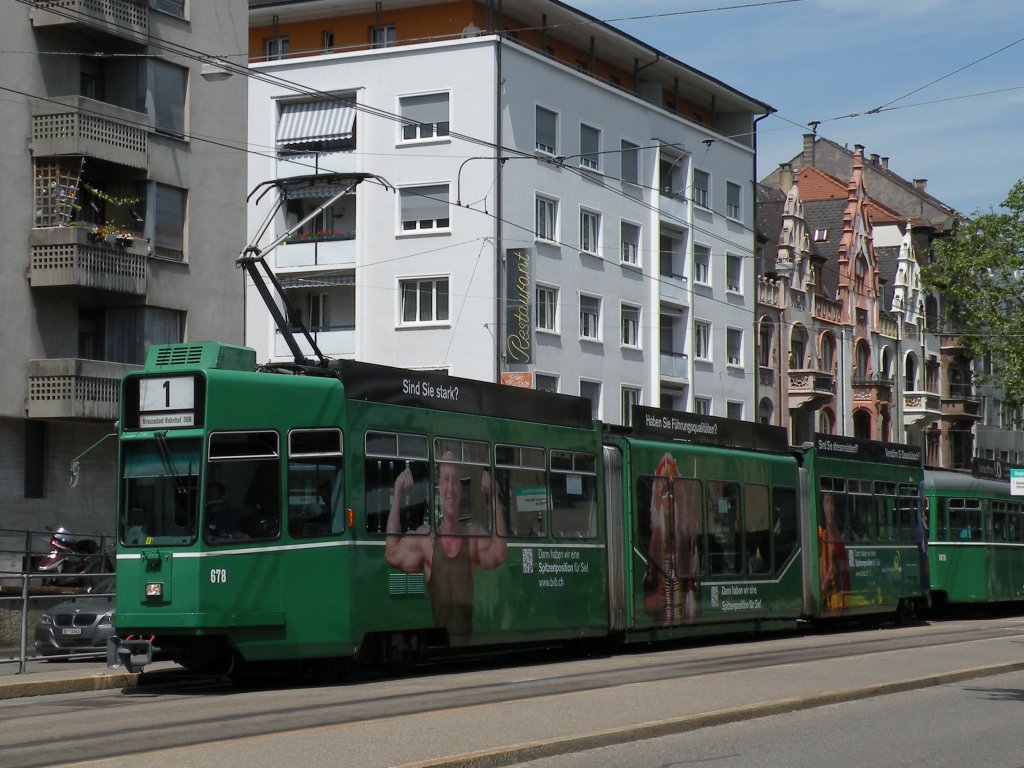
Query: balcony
column 888, row 327
column 921, row 406
column 72, row 388
column 339, row 341
column 75, row 125
column 674, row 288
column 826, row 309
column 672, row 205
column 810, row 388
column 340, row 252
column 65, row 257
column 961, row 403
column 951, row 343
column 675, row 365
column 875, row 388
column 768, row 293
column 121, row 19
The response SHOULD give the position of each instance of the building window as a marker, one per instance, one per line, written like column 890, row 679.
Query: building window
column 591, row 390
column 167, row 215
column 327, row 40
column 170, row 7
column 544, row 382
column 424, row 208
column 547, row 309
column 670, row 176
column 166, row 98
column 702, row 406
column 702, row 340
column 732, row 200
column 316, row 127
column 547, row 212
column 701, row 187
column 629, row 159
column 733, row 273
column 590, row 232
column 590, row 317
column 424, row 301
column 546, row 131
column 734, row 345
column 424, row 117
column 276, row 48
column 734, row 410
column 630, row 238
column 590, row 147
column 702, row 264
column 630, row 325
column 35, row 459
column 383, row 36
column 630, row 397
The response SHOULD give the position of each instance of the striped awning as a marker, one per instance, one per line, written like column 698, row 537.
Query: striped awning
column 315, row 121
column 317, row 281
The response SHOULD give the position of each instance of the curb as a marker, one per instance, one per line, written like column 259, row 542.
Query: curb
column 526, row 752
column 97, row 682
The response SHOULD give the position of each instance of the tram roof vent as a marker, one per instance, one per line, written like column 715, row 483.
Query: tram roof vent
column 207, row 354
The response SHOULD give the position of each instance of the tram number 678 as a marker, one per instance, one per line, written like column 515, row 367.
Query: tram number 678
column 218, row 575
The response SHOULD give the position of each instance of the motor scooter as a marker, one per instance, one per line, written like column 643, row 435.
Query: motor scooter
column 70, row 560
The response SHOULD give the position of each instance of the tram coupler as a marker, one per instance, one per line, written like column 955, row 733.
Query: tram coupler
column 133, row 655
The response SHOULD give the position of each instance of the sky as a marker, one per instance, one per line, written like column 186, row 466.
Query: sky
column 948, row 75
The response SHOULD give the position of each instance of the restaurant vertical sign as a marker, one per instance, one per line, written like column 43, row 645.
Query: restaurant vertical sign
column 518, row 332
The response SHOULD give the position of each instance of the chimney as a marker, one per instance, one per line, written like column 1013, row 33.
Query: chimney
column 807, row 159
column 874, row 158
column 920, row 184
column 885, row 163
column 785, row 177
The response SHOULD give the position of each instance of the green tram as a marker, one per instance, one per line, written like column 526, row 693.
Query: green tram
column 976, row 537
column 360, row 510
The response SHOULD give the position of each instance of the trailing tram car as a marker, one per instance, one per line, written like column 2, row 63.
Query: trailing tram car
column 976, row 537
column 362, row 510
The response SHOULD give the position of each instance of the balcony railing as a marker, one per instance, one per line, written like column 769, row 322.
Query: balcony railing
column 672, row 287
column 75, row 125
column 768, row 293
column 124, row 19
column 64, row 257
column 336, row 341
column 72, row 388
column 675, row 365
column 888, row 327
column 310, row 253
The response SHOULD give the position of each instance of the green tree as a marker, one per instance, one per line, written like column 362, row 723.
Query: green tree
column 979, row 275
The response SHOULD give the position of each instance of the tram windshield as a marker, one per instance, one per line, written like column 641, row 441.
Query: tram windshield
column 159, row 498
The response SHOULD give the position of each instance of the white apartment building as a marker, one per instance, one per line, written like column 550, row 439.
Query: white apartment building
column 564, row 208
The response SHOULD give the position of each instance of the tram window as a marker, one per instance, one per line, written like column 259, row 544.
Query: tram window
column 784, row 526
column 757, row 519
column 1014, row 533
column 522, row 488
column 243, row 488
column 835, row 484
column 463, row 484
column 965, row 519
column 316, row 504
column 886, row 514
column 832, row 516
column 861, row 519
column 388, row 455
column 573, row 495
column 909, row 513
column 940, row 517
column 160, row 496
column 724, row 545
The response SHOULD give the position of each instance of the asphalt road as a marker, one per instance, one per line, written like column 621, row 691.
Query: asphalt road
column 499, row 713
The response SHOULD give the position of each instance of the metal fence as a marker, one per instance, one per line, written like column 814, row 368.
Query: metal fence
column 26, row 591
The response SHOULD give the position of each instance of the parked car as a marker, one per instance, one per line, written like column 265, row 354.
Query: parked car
column 79, row 626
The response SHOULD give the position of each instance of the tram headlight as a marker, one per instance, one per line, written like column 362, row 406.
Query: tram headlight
column 154, row 589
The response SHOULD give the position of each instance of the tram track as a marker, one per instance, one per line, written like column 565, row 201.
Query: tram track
column 176, row 709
